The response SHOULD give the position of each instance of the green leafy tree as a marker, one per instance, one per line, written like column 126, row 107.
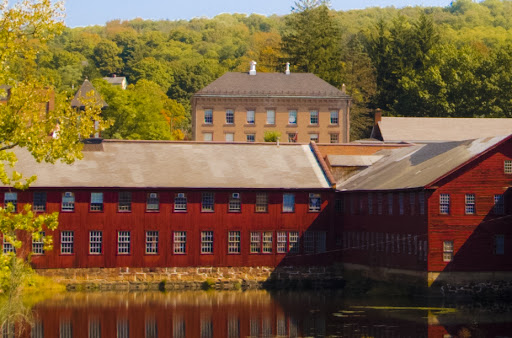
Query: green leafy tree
column 312, row 43
column 107, row 59
column 271, row 136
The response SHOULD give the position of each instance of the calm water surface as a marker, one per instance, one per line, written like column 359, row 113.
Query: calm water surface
column 261, row 314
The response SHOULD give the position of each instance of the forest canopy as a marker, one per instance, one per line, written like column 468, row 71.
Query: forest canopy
column 415, row 61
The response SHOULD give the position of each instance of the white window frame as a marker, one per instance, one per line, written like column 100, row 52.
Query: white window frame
column 444, row 204
column 288, row 202
column 271, row 117
column 207, row 202
column 261, row 202
column 314, row 137
column 179, row 242
column 235, row 203
column 96, row 201
column 315, row 202
column 208, row 137
column 67, row 245
column 38, row 244
column 123, row 242
column 229, row 137
column 95, row 242
column 230, row 116
column 334, row 117
column 292, row 117
column 152, row 203
column 234, row 241
column 124, row 201
column 250, row 117
column 207, row 242
column 151, row 242
column 208, row 116
column 180, row 202
column 470, row 204
column 507, row 166
column 251, row 138
column 448, row 250
column 313, row 117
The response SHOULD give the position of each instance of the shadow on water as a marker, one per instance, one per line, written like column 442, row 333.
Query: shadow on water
column 260, row 314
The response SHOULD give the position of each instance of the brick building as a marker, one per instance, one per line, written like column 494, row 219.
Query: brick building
column 241, row 107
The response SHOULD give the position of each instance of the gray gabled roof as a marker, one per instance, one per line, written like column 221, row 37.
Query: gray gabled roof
column 85, row 93
column 435, row 129
column 161, row 164
column 417, row 166
column 271, row 85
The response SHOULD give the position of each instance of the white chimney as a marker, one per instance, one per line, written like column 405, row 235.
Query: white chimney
column 252, row 71
column 287, row 71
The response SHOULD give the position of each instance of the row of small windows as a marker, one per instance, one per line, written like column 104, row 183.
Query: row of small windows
column 448, row 247
column 386, row 242
column 260, row 242
column 271, row 117
column 124, row 203
column 292, row 137
column 380, row 203
column 470, row 204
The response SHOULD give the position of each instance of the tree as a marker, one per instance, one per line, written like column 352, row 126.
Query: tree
column 28, row 121
column 312, row 43
column 107, row 59
column 303, row 5
column 271, row 136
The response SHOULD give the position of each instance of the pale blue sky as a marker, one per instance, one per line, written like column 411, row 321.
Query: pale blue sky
column 96, row 12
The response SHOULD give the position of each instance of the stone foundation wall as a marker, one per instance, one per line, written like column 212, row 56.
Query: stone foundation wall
column 220, row 278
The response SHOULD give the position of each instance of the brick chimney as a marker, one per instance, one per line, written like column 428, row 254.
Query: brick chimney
column 378, row 116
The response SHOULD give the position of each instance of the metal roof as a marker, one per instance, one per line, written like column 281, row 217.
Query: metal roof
column 271, row 84
column 417, row 166
column 157, row 164
column 434, row 129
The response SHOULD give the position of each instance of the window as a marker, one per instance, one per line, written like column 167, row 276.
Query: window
column 370, row 203
column 123, row 328
column 334, row 117
column 508, row 167
column 499, row 205
column 11, row 197
column 447, row 251
column 68, row 201
column 180, row 242
column 281, row 242
column 152, row 202
column 65, row 329
column 230, row 137
column 379, row 203
column 412, row 202
column 334, row 138
column 401, row 203
column 230, row 116
column 292, row 116
column 95, row 242
column 444, row 204
column 313, row 137
column 207, row 202
column 470, row 204
column 288, row 202
column 293, row 242
column 261, row 242
column 180, row 202
column 234, row 242
column 271, row 116
column 67, row 242
column 321, row 239
column 151, row 242
column 309, row 242
column 38, row 243
column 7, row 247
column 390, row 203
column 250, row 137
column 208, row 116
column 151, row 328
column 235, row 204
column 499, row 245
column 124, row 201
column 250, row 116
column 39, row 201
column 421, row 199
column 123, row 242
column 207, row 137
column 292, row 137
column 261, row 202
column 94, row 328
column 96, row 201
column 313, row 117
column 206, row 242
column 315, row 202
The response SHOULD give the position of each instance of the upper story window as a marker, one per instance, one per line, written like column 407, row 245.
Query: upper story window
column 313, row 117
column 390, row 203
column 12, row 198
column 208, row 116
column 447, row 251
column 39, row 201
column 38, row 243
column 250, row 137
column 271, row 116
column 334, row 117
column 412, row 202
column 379, row 203
column 315, row 202
column 370, row 203
column 499, row 204
column 96, row 201
column 124, row 201
column 292, row 116
column 207, row 202
column 95, row 242
column 421, row 200
column 313, row 137
column 499, row 244
column 180, row 202
column 68, row 201
column 151, row 242
column 152, row 202
column 67, row 242
column 206, row 242
column 470, row 204
column 288, row 202
column 261, row 202
column 508, row 167
column 338, row 205
column 444, row 204
column 123, row 242
column 401, row 203
column 250, row 117
column 233, row 242
column 230, row 116
column 207, row 137
column 180, row 242
column 235, row 204
column 7, row 247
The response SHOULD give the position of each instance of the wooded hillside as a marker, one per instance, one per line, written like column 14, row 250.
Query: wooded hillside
column 453, row 61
